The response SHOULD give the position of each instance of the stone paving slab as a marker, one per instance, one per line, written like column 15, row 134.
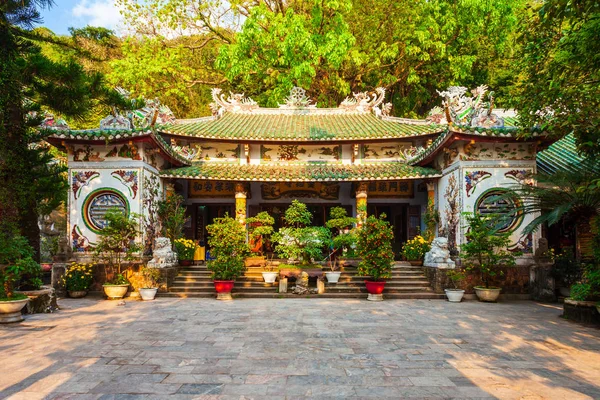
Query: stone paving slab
column 271, row 349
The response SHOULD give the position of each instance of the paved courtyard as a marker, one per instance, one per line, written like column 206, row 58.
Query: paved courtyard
column 298, row 349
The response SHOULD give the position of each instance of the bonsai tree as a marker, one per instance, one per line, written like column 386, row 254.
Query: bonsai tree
column 485, row 250
column 344, row 238
column 16, row 261
column 457, row 276
column 117, row 245
column 227, row 241
column 299, row 241
column 171, row 214
column 374, row 247
column 260, row 229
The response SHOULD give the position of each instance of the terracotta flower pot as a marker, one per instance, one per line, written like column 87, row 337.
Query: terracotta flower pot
column 375, row 289
column 223, row 289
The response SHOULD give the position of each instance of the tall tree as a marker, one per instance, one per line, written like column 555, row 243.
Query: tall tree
column 29, row 84
column 559, row 89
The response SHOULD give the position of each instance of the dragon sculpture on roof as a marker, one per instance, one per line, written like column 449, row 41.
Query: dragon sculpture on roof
column 467, row 111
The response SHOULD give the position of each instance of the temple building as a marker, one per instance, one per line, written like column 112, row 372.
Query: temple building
column 245, row 159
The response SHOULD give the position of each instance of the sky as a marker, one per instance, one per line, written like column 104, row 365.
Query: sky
column 80, row 13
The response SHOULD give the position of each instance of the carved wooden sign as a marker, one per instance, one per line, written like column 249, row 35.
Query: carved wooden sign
column 404, row 189
column 206, row 188
column 325, row 191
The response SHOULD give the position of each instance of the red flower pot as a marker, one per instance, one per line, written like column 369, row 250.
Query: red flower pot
column 375, row 287
column 185, row 263
column 223, row 286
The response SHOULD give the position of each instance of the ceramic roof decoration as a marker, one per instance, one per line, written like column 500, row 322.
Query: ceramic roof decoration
column 468, row 111
column 302, row 172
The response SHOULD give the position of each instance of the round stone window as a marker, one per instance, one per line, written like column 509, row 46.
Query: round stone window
column 495, row 202
column 98, row 203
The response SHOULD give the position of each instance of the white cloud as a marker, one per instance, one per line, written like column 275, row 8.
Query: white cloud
column 98, row 13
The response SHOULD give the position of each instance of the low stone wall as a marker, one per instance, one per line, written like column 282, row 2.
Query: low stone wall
column 581, row 311
column 40, row 301
column 58, row 271
column 529, row 278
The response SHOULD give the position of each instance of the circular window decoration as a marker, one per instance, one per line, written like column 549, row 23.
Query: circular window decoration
column 98, row 203
column 506, row 207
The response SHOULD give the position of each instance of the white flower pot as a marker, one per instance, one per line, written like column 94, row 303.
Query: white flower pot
column 148, row 293
column 270, row 277
column 488, row 295
column 333, row 277
column 10, row 311
column 454, row 295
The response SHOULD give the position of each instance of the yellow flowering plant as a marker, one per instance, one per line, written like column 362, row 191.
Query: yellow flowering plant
column 415, row 249
column 185, row 248
column 78, row 277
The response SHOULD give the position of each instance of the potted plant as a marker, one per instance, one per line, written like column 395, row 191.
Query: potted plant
column 185, row 249
column 485, row 251
column 457, row 276
column 260, row 229
column 148, row 286
column 299, row 241
column 228, row 247
column 414, row 250
column 374, row 247
column 78, row 279
column 115, row 246
column 333, row 275
column 270, row 275
column 16, row 260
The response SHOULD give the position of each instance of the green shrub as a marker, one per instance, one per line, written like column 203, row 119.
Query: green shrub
column 485, row 250
column 227, row 241
column 117, row 244
column 16, row 262
column 374, row 247
column 344, row 237
column 415, row 249
column 260, row 229
column 171, row 215
column 78, row 277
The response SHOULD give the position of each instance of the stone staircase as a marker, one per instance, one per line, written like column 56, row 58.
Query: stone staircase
column 407, row 282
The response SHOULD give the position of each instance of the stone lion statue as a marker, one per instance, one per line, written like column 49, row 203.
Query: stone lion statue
column 439, row 255
column 163, row 255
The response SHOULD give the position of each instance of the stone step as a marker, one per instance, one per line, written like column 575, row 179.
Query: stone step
column 360, row 296
column 359, row 289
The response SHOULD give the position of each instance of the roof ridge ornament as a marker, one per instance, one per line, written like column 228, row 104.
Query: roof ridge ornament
column 235, row 102
column 297, row 99
column 467, row 111
column 364, row 102
column 151, row 113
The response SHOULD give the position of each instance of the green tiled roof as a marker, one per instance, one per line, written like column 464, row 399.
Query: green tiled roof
column 302, row 173
column 563, row 156
column 98, row 134
column 299, row 127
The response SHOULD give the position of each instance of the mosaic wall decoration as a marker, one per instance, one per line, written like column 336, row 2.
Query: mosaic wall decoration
column 289, row 153
column 129, row 179
column 399, row 189
column 325, row 191
column 386, row 152
column 497, row 151
column 520, row 175
column 86, row 154
column 221, row 152
column 506, row 209
column 98, row 203
column 79, row 242
column 524, row 245
column 125, row 151
column 218, row 189
column 82, row 179
column 473, row 178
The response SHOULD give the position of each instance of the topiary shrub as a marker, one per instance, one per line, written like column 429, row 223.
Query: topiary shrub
column 374, row 247
column 227, row 241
